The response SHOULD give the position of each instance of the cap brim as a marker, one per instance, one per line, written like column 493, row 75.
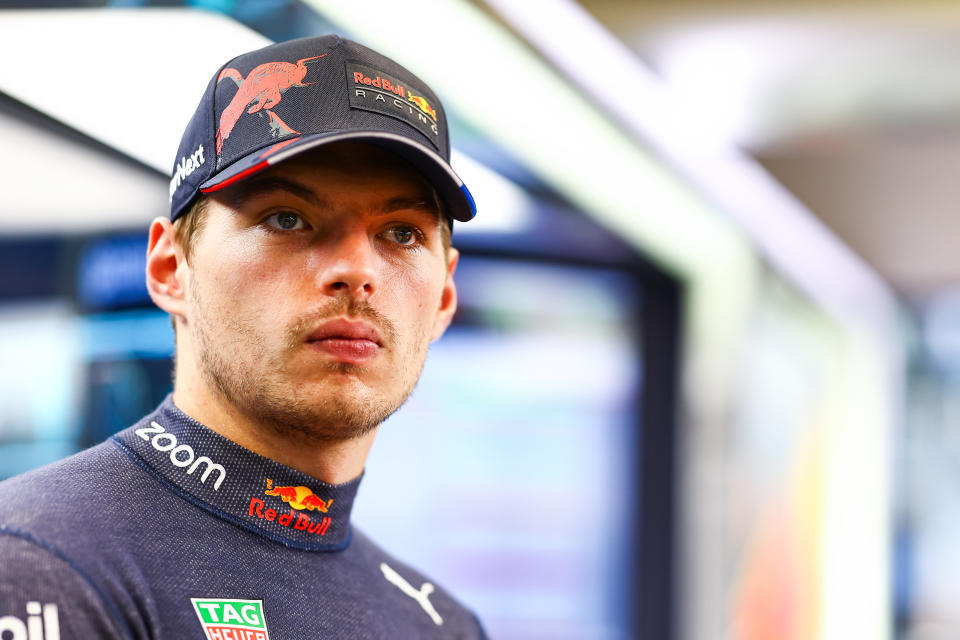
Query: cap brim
column 454, row 194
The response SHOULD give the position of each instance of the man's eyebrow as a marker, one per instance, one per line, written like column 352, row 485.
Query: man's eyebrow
column 258, row 186
column 255, row 187
column 422, row 203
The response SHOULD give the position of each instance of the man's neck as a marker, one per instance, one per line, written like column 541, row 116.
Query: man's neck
column 333, row 462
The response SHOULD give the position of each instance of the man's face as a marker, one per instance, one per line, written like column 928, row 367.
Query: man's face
column 315, row 288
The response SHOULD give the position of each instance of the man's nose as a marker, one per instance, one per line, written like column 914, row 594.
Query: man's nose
column 350, row 266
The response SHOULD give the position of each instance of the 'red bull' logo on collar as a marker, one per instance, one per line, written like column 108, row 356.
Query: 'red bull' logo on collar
column 261, row 91
column 299, row 498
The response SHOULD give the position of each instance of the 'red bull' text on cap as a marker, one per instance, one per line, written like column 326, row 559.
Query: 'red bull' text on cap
column 268, row 105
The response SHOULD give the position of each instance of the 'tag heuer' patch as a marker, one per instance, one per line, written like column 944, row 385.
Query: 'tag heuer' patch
column 374, row 90
column 231, row 619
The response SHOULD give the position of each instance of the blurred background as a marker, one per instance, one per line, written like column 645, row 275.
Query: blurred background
column 710, row 304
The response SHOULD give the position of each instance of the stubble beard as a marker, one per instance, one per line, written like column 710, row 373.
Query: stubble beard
column 240, row 367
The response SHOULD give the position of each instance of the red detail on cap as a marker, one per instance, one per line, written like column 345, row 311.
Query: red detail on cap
column 421, row 102
column 262, row 89
column 240, row 176
column 277, row 147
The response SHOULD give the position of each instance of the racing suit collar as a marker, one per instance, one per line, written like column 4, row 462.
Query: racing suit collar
column 260, row 495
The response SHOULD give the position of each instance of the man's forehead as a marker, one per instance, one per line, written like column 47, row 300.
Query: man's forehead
column 330, row 185
column 317, row 193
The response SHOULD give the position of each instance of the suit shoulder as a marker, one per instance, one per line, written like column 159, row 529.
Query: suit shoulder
column 65, row 490
column 40, row 586
column 405, row 579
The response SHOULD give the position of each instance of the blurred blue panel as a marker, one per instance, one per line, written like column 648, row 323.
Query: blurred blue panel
column 129, row 364
column 30, row 267
column 39, row 344
column 138, row 333
column 110, row 272
column 24, row 456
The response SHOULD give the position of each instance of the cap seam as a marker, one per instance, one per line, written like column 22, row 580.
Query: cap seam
column 213, row 116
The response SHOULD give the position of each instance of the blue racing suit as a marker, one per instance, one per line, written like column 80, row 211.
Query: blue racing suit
column 169, row 531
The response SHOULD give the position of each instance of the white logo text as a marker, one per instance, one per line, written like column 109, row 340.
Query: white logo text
column 185, row 167
column 181, row 455
column 421, row 596
column 43, row 623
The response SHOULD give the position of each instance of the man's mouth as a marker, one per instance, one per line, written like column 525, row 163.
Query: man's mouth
column 347, row 341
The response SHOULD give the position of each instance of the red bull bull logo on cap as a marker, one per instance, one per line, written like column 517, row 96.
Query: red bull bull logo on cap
column 261, row 90
column 421, row 102
column 298, row 497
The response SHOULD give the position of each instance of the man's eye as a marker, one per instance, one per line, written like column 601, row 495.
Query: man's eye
column 285, row 220
column 405, row 236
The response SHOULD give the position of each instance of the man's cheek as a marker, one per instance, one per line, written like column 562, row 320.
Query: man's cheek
column 250, row 279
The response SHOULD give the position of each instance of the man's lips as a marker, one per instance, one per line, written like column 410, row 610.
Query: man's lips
column 349, row 341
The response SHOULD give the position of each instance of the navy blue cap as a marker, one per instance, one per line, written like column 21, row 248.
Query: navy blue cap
column 270, row 104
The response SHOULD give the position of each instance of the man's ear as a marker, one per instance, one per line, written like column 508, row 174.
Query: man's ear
column 448, row 299
column 164, row 275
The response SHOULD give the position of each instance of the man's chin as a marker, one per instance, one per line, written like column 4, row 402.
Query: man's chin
column 326, row 415
column 334, row 378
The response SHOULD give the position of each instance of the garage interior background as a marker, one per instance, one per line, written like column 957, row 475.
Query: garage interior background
column 710, row 300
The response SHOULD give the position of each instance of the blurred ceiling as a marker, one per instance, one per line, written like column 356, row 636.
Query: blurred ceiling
column 853, row 106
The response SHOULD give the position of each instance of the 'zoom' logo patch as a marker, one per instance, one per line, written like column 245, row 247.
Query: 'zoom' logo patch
column 181, row 455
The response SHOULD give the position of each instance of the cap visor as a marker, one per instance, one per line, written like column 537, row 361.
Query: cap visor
column 449, row 186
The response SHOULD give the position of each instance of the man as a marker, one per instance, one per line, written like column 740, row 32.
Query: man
column 306, row 267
